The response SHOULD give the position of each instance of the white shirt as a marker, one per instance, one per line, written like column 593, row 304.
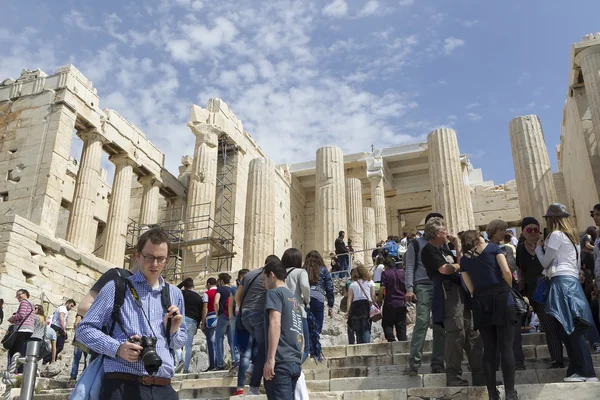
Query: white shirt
column 358, row 293
column 403, row 242
column 561, row 256
column 514, row 241
column 56, row 316
column 377, row 273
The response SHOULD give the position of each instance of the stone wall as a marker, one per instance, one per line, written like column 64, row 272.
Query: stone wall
column 574, row 160
column 496, row 202
column 32, row 260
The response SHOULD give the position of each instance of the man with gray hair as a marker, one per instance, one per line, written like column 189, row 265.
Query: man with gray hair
column 450, row 308
column 419, row 289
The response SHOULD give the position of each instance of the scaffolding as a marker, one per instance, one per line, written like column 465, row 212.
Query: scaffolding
column 203, row 244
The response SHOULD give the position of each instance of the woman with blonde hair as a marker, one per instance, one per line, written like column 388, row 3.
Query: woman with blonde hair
column 361, row 295
column 559, row 255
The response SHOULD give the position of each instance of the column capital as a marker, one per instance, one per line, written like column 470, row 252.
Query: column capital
column 122, row 159
column 149, row 180
column 91, row 135
column 204, row 133
column 586, row 52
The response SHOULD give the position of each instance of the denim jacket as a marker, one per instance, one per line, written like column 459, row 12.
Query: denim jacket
column 324, row 288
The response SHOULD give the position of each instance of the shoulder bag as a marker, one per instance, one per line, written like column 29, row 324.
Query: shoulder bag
column 374, row 312
column 9, row 339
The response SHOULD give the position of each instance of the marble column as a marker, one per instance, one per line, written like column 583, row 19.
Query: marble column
column 260, row 213
column 446, row 179
column 330, row 202
column 80, row 228
column 369, row 239
column 535, row 183
column 589, row 61
column 118, row 210
column 378, row 204
column 150, row 198
column 201, row 194
column 354, row 212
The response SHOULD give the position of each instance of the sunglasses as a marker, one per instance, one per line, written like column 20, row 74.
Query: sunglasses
column 532, row 230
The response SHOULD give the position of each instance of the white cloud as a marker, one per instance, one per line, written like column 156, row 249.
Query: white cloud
column 469, row 23
column 472, row 105
column 337, row 8
column 438, row 17
column 474, row 117
column 406, row 2
column 370, row 8
column 77, row 19
column 452, row 43
column 479, row 153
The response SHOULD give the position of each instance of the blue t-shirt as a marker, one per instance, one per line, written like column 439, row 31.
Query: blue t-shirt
column 483, row 270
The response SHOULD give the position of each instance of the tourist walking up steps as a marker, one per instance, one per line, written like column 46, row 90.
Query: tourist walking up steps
column 224, row 328
column 60, row 320
column 361, row 295
column 297, row 281
column 209, row 322
column 23, row 321
column 321, row 287
column 193, row 318
column 340, row 252
column 284, row 335
column 419, row 289
column 497, row 232
column 559, row 255
column 392, row 292
column 595, row 213
column 486, row 274
column 450, row 306
column 529, row 271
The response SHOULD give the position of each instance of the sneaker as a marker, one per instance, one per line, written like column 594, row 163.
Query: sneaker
column 179, row 367
column 438, row 370
column 457, row 382
column 239, row 392
column 209, row 369
column 411, row 371
column 249, row 372
column 556, row 365
column 574, row 378
column 597, row 348
column 592, row 379
column 254, row 391
column 520, row 367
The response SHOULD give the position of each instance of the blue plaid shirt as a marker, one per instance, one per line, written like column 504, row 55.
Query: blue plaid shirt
column 89, row 331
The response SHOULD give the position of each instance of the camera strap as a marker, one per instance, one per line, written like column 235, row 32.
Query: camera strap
column 138, row 301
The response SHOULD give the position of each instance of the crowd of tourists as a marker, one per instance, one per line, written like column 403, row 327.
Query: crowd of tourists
column 479, row 293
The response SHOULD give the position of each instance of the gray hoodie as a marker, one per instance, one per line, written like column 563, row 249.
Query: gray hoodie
column 420, row 275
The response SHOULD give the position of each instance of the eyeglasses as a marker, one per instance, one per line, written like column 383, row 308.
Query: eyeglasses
column 151, row 258
column 594, row 214
column 532, row 230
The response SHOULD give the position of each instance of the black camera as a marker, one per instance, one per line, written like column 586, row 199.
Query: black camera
column 150, row 358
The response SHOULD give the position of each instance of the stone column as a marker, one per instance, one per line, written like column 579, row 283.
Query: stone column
column 535, row 183
column 201, row 193
column 354, row 212
column 118, row 210
column 80, row 230
column 150, row 197
column 330, row 202
column 446, row 179
column 369, row 239
column 378, row 204
column 260, row 214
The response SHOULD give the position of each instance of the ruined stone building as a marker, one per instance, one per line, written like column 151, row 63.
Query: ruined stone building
column 63, row 225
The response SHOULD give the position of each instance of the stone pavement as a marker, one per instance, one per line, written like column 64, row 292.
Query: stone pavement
column 375, row 371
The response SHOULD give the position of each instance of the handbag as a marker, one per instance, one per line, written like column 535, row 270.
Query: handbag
column 374, row 311
column 90, row 382
column 10, row 338
column 540, row 294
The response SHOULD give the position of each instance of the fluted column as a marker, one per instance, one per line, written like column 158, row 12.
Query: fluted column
column 378, row 204
column 369, row 239
column 354, row 212
column 535, row 183
column 80, row 230
column 589, row 61
column 260, row 216
column 118, row 210
column 150, row 197
column 446, row 179
column 330, row 202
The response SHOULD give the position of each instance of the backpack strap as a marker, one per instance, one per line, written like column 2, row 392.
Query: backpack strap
column 120, row 289
column 165, row 299
column 289, row 272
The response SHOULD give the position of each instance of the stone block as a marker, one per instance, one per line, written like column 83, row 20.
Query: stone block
column 334, row 351
column 49, row 243
column 376, row 383
column 366, row 361
column 534, row 339
column 369, row 349
column 318, row 385
column 543, row 352
column 396, row 394
column 348, row 372
column 386, row 370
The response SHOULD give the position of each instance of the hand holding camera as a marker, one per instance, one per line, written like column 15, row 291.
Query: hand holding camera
column 147, row 352
column 175, row 316
column 130, row 350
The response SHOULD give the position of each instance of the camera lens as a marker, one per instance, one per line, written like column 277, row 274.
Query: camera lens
column 150, row 358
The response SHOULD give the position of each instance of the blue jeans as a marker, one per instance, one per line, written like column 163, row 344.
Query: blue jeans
column 283, row 384
column 191, row 328
column 318, row 310
column 77, row 353
column 254, row 322
column 306, row 334
column 210, row 345
column 343, row 266
column 224, row 328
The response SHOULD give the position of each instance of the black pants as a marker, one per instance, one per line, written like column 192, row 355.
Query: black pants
column 60, row 339
column 394, row 317
column 121, row 389
column 498, row 339
column 518, row 346
column 550, row 327
column 20, row 346
column 580, row 357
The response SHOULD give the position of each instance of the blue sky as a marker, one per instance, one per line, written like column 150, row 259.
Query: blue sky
column 303, row 74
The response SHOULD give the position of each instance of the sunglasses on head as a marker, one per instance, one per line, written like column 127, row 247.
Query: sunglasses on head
column 532, row 230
